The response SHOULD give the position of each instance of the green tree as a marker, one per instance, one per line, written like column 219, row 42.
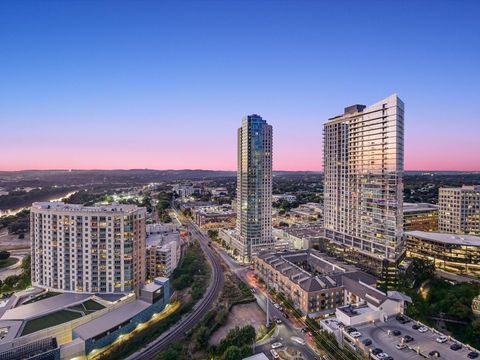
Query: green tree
column 200, row 336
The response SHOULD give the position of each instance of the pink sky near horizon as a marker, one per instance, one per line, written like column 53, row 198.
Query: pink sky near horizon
column 140, row 154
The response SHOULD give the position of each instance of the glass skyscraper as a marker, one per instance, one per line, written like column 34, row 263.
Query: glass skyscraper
column 363, row 185
column 254, row 188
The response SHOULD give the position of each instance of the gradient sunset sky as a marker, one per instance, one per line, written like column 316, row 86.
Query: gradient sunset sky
column 164, row 85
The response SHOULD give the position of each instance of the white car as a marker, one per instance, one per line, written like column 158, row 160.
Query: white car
column 274, row 354
column 401, row 346
column 423, row 329
column 382, row 355
column 355, row 334
column 276, row 345
column 442, row 339
column 298, row 340
column 276, row 305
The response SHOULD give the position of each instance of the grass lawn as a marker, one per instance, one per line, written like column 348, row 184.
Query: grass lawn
column 41, row 297
column 9, row 262
column 49, row 320
column 92, row 305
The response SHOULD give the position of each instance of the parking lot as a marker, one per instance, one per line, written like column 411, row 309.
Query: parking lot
column 423, row 344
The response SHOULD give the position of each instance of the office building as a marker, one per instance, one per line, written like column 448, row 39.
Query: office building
column 98, row 249
column 459, row 210
column 254, row 188
column 363, row 185
column 420, row 216
column 453, row 253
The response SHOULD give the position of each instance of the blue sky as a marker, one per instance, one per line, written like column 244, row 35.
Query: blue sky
column 124, row 84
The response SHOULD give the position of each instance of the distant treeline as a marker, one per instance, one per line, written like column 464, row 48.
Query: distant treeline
column 19, row 199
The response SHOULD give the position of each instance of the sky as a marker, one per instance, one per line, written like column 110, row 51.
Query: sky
column 164, row 85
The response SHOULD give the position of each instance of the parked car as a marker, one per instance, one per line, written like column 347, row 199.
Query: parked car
column 401, row 346
column 423, row 329
column 434, row 353
column 274, row 354
column 276, row 345
column 355, row 334
column 383, row 355
column 396, row 333
column 278, row 321
column 408, row 338
column 415, row 326
column 305, row 329
column 402, row 319
column 442, row 339
column 350, row 329
column 298, row 340
column 376, row 351
column 367, row 342
column 455, row 346
column 472, row 355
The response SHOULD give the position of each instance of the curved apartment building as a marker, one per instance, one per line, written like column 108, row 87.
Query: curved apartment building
column 98, row 249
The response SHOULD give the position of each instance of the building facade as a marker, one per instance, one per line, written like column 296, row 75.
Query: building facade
column 99, row 249
column 254, row 187
column 459, row 210
column 363, row 185
column 420, row 216
column 315, row 283
column 453, row 253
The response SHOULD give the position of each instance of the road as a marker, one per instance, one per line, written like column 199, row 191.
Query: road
column 152, row 350
column 286, row 330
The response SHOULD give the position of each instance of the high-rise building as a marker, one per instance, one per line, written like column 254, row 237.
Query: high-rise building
column 98, row 249
column 363, row 185
column 254, row 188
column 459, row 210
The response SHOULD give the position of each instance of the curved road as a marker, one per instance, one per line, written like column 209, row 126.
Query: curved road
column 188, row 321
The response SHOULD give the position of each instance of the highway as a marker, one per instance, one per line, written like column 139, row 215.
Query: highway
column 153, row 349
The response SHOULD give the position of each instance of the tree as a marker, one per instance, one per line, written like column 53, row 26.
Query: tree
column 201, row 336
column 4, row 255
column 232, row 353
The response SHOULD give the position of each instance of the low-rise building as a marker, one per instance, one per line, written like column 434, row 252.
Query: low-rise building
column 284, row 197
column 163, row 251
column 302, row 236
column 454, row 253
column 183, row 190
column 315, row 283
column 214, row 217
column 420, row 216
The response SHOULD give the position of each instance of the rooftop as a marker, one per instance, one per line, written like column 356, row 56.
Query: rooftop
column 110, row 319
column 453, row 239
column 43, row 307
column 62, row 207
column 418, row 207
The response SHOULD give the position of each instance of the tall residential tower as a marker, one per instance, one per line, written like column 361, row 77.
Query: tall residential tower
column 363, row 185
column 254, row 188
column 93, row 249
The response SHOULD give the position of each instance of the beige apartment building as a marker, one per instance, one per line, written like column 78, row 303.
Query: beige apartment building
column 459, row 210
column 94, row 249
column 363, row 185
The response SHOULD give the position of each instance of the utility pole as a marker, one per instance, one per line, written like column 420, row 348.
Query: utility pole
column 268, row 313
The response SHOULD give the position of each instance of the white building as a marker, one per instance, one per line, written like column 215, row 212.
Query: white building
column 254, row 188
column 183, row 190
column 87, row 249
column 459, row 210
column 163, row 250
column 363, row 184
